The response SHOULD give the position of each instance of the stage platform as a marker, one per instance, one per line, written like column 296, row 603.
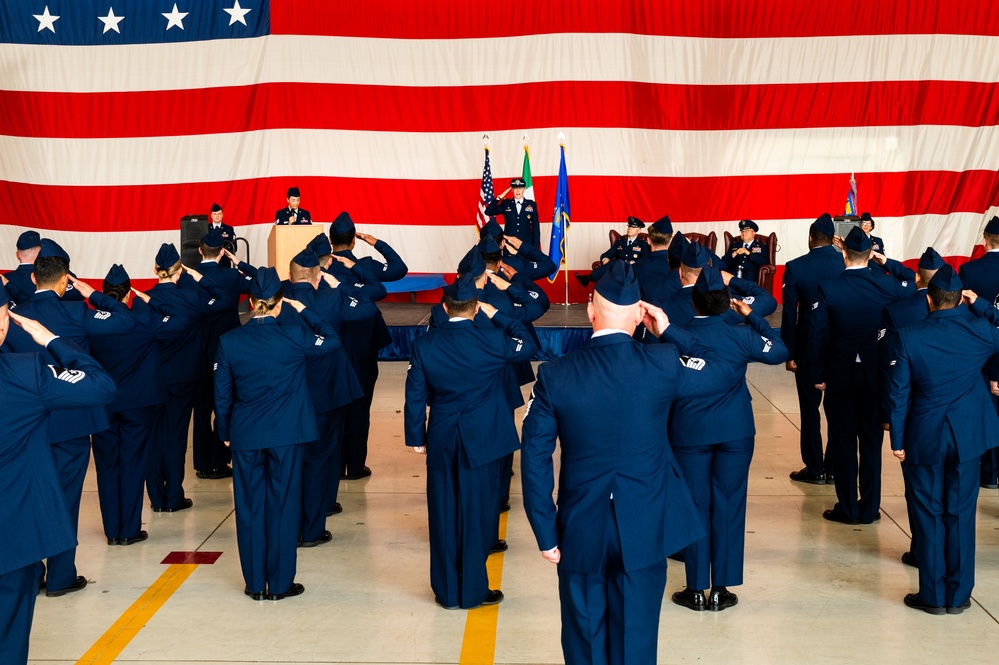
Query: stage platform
column 562, row 329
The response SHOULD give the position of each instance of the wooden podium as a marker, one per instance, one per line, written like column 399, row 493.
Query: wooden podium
column 286, row 241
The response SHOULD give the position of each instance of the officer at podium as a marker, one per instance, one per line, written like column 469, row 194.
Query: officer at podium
column 292, row 214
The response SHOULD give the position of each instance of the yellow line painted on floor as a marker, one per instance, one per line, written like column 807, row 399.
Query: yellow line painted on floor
column 478, row 646
column 134, row 619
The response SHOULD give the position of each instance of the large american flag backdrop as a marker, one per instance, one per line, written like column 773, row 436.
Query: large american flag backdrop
column 121, row 116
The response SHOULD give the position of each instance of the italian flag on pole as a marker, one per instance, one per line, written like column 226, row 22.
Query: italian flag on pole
column 528, row 183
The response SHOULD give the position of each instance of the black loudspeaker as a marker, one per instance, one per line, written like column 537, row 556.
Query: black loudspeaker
column 192, row 229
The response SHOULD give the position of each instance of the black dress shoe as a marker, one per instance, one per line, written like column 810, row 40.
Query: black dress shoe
column 806, row 476
column 326, row 537
column 499, row 546
column 215, row 474
column 184, row 505
column 505, row 508
column 80, row 583
column 255, row 595
column 872, row 520
column 990, row 486
column 493, row 597
column 834, row 515
column 830, row 479
column 912, row 600
column 721, row 598
column 295, row 590
column 958, row 608
column 114, row 541
column 138, row 538
column 909, row 559
column 692, row 600
column 337, row 509
column 363, row 473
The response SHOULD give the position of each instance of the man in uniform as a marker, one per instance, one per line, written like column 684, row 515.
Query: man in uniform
column 20, row 287
column 32, row 512
column 69, row 430
column 292, row 214
column 844, row 363
column 982, row 277
column 941, row 421
column 227, row 233
column 457, row 369
column 801, row 282
column 343, row 236
column 746, row 255
column 623, row 504
column 656, row 279
column 211, row 457
column 520, row 215
column 901, row 314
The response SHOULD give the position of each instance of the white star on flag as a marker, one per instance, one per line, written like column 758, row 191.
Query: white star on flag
column 45, row 20
column 236, row 13
column 110, row 21
column 175, row 18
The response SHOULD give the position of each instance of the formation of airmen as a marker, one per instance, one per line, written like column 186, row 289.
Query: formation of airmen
column 285, row 398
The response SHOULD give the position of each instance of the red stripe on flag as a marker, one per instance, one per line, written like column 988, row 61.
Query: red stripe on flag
column 607, row 198
column 724, row 19
column 505, row 107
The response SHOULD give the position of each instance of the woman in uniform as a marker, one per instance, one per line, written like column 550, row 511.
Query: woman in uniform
column 264, row 414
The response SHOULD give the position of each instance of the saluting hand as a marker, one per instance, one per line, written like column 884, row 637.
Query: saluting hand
column 506, row 270
column 513, row 243
column 85, row 289
column 726, row 277
column 344, row 260
column 297, row 306
column 969, row 296
column 38, row 332
column 741, row 307
column 371, row 240
column 654, row 318
column 329, row 279
column 879, row 258
column 838, row 242
column 505, row 192
column 486, row 309
column 498, row 281
column 140, row 295
column 192, row 272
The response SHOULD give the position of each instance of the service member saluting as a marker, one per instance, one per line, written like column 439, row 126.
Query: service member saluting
column 262, row 404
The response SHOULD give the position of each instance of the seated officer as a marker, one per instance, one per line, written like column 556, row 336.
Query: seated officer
column 629, row 248
column 745, row 255
column 292, row 214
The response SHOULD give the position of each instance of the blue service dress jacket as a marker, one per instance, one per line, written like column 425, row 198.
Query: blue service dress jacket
column 611, row 447
column 470, row 421
column 529, row 262
column 392, row 269
column 622, row 250
column 746, row 266
column 982, row 276
column 932, row 396
column 656, row 280
column 261, row 395
column 19, row 284
column 845, row 321
column 526, row 225
column 183, row 355
column 728, row 415
column 79, row 323
column 801, row 291
column 679, row 306
column 286, row 216
column 32, row 385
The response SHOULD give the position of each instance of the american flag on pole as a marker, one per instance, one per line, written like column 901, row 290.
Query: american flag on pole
column 485, row 192
column 121, row 116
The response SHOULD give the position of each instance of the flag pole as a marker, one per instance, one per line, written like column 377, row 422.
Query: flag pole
column 565, row 236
